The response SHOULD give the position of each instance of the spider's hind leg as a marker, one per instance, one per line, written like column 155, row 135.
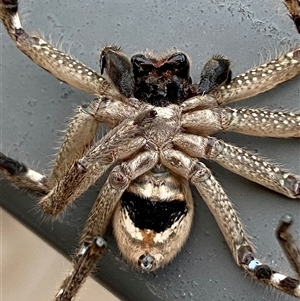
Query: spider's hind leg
column 230, row 225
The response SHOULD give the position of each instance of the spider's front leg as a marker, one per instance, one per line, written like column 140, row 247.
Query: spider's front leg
column 59, row 64
column 92, row 243
column 229, row 222
column 266, row 76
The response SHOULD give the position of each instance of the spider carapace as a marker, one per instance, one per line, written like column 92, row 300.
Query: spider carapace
column 161, row 127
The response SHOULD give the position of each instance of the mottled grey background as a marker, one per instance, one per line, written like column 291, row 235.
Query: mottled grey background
column 35, row 107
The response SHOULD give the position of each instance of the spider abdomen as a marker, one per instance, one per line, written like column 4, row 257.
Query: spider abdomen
column 153, row 220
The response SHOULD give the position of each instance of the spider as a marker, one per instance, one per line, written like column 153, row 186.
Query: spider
column 144, row 122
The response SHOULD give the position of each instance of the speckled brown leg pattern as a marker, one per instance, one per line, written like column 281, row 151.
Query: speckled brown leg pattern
column 59, row 64
column 256, row 122
column 261, row 78
column 241, row 162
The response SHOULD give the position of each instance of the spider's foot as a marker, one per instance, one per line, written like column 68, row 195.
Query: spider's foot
column 22, row 176
column 11, row 166
column 285, row 222
column 264, row 273
column 10, row 17
column 11, row 20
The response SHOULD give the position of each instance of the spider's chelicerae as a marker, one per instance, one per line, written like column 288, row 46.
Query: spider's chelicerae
column 161, row 126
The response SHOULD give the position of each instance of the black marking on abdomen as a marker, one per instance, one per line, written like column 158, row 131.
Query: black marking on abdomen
column 157, row 216
column 13, row 167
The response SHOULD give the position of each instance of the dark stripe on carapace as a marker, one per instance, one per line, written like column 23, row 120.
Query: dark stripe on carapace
column 12, row 166
column 157, row 216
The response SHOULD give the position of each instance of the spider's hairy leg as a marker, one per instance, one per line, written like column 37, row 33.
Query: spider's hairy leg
column 266, row 76
column 59, row 64
column 241, row 162
column 22, row 176
column 204, row 122
column 120, row 143
column 287, row 243
column 260, row 79
column 92, row 243
column 294, row 8
column 79, row 137
column 228, row 221
column 85, row 260
column 256, row 122
column 82, row 130
column 262, row 122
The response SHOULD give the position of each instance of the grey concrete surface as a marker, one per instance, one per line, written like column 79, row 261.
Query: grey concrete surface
column 35, row 108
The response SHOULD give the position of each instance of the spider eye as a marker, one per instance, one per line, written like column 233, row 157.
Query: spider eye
column 146, row 262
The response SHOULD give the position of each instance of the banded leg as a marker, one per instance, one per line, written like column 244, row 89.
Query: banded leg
column 228, row 221
column 22, row 176
column 241, row 162
column 256, row 122
column 59, row 64
column 120, row 143
column 92, row 243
